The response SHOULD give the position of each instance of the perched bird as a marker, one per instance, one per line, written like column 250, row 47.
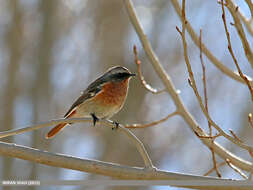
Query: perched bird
column 102, row 99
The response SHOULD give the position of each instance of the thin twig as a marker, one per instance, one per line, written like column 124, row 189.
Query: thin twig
column 206, row 101
column 140, row 126
column 238, row 68
column 215, row 163
column 231, row 50
column 234, row 135
column 212, row 169
column 204, row 81
column 171, row 90
column 247, row 21
column 209, row 137
column 250, row 119
column 206, row 51
column 237, row 23
column 141, row 77
column 236, row 169
column 250, row 5
column 192, row 83
column 104, row 122
column 194, row 87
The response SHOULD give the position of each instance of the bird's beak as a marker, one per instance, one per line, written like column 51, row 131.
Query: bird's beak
column 132, row 74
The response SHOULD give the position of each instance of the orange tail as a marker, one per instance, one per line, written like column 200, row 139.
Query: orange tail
column 60, row 126
column 55, row 130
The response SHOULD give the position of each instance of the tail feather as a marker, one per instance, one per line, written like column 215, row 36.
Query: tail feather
column 55, row 130
column 60, row 126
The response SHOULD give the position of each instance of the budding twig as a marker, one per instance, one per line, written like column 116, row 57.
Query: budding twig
column 250, row 119
column 234, row 135
column 140, row 126
column 232, row 53
column 141, row 77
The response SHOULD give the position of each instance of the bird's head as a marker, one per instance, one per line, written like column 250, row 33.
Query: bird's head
column 118, row 73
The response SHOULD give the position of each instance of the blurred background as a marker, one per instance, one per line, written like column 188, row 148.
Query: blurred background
column 51, row 50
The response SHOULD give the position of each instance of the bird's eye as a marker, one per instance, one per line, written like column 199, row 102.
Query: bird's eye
column 120, row 76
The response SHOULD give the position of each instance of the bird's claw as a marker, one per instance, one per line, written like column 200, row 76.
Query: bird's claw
column 116, row 125
column 95, row 119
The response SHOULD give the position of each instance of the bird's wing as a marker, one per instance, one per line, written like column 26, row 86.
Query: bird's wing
column 90, row 92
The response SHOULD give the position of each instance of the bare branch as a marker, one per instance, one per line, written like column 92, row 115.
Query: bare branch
column 206, row 51
column 237, row 23
column 212, row 169
column 242, row 35
column 234, row 135
column 140, row 126
column 206, row 100
column 194, row 87
column 247, row 22
column 250, row 119
column 204, row 81
column 171, row 90
column 141, row 77
column 250, row 5
column 104, row 122
column 109, row 169
column 215, row 163
column 209, row 137
column 237, row 170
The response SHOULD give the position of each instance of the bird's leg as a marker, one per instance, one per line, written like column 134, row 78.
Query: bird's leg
column 95, row 118
column 116, row 125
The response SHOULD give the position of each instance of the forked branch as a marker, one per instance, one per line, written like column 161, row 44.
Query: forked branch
column 206, row 101
column 141, row 77
column 247, row 50
column 104, row 122
column 206, row 51
column 171, row 90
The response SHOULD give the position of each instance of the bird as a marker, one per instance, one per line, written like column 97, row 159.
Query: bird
column 101, row 99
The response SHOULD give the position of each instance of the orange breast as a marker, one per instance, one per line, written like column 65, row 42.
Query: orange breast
column 113, row 93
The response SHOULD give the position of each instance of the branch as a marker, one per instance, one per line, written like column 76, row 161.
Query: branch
column 140, row 126
column 143, row 81
column 250, row 5
column 212, row 169
column 237, row 23
column 112, row 170
column 171, row 90
column 243, row 39
column 235, row 136
column 206, row 51
column 237, row 170
column 206, row 100
column 192, row 83
column 204, row 79
column 250, row 119
column 194, row 87
column 247, row 21
column 104, row 122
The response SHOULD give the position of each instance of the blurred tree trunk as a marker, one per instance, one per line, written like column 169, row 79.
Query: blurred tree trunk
column 14, row 37
column 111, row 36
column 41, row 92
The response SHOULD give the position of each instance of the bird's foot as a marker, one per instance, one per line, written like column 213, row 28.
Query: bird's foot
column 95, row 118
column 116, row 125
